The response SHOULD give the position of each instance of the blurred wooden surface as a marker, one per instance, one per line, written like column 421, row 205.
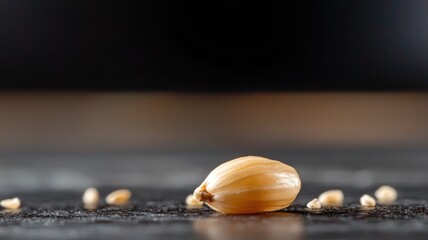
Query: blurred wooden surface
column 85, row 121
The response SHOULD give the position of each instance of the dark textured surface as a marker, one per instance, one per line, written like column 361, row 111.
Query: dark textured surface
column 51, row 187
column 161, row 213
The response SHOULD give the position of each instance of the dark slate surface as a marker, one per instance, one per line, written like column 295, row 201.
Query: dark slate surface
column 155, row 213
column 51, row 186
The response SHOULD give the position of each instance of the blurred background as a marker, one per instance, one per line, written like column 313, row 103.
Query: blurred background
column 158, row 93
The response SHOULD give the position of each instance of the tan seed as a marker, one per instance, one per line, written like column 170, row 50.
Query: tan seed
column 91, row 198
column 249, row 185
column 191, row 201
column 386, row 194
column 118, row 197
column 367, row 201
column 13, row 203
column 314, row 204
column 331, row 198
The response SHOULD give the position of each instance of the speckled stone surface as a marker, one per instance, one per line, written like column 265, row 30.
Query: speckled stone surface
column 161, row 214
column 51, row 187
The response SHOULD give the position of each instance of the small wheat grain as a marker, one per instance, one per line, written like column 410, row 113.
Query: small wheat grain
column 314, row 204
column 91, row 198
column 367, row 201
column 331, row 198
column 386, row 194
column 118, row 197
column 13, row 203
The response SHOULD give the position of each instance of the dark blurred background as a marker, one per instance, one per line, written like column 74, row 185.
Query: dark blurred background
column 157, row 93
column 214, row 46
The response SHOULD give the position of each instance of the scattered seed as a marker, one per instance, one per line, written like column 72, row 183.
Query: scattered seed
column 118, row 197
column 331, row 198
column 386, row 194
column 367, row 201
column 314, row 204
column 191, row 201
column 90, row 198
column 13, row 203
